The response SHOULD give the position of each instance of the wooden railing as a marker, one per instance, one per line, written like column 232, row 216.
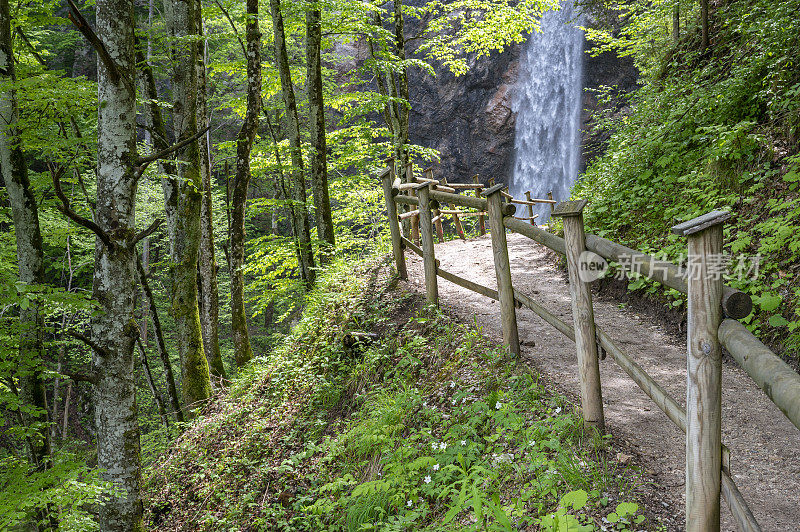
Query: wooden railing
column 713, row 309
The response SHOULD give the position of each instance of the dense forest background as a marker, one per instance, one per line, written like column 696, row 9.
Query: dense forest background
column 178, row 175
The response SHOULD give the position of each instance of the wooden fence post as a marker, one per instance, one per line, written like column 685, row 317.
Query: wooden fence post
column 582, row 314
column 409, row 172
column 428, row 257
column 436, row 214
column 530, row 208
column 481, row 220
column 394, row 225
column 703, row 371
column 502, row 268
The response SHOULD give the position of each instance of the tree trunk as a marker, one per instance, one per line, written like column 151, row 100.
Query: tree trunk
column 182, row 201
column 172, row 389
column 241, row 182
column 114, row 289
column 298, row 184
column 404, row 108
column 24, row 212
column 209, row 316
column 704, row 24
column 316, row 124
column 676, row 24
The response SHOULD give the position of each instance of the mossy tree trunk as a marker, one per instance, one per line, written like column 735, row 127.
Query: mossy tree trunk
column 182, row 200
column 298, row 182
column 241, row 182
column 209, row 292
column 30, row 258
column 114, row 329
column 316, row 123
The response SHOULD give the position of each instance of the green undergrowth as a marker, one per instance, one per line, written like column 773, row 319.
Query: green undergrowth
column 715, row 129
column 426, row 426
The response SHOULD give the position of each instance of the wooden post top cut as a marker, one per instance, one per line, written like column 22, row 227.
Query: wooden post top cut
column 569, row 208
column 696, row 225
column 421, row 185
column 493, row 190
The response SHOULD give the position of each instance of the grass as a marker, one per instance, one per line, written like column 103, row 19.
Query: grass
column 427, row 428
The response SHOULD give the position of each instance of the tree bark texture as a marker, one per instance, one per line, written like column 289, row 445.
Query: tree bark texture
column 30, row 263
column 316, row 123
column 182, row 200
column 241, row 182
column 298, row 183
column 209, row 307
column 114, row 329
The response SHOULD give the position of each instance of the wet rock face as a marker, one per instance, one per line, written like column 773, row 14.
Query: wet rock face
column 470, row 120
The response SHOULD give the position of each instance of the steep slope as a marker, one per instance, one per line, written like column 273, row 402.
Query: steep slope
column 423, row 426
column 714, row 129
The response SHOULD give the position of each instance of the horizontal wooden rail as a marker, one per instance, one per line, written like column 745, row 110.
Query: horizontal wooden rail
column 539, row 235
column 408, row 214
column 533, row 201
column 406, row 200
column 466, row 185
column 778, row 380
column 735, row 303
column 469, row 285
column 469, row 201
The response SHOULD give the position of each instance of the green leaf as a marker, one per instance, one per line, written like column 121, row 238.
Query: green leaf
column 577, row 499
column 777, row 320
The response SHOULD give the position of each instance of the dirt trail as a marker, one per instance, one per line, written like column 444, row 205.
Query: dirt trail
column 765, row 446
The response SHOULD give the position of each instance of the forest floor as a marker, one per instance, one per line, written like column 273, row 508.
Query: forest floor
column 764, row 460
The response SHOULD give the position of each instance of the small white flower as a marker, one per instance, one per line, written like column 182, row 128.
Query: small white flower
column 558, row 410
column 452, row 401
column 533, row 442
column 434, row 445
column 463, row 443
column 436, row 467
column 464, row 400
column 498, row 405
column 452, row 384
column 409, row 503
column 442, row 446
column 427, row 479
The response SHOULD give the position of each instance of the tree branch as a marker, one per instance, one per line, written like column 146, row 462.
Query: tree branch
column 144, row 162
column 233, row 26
column 72, row 215
column 100, row 350
column 147, row 232
column 80, row 377
column 83, row 26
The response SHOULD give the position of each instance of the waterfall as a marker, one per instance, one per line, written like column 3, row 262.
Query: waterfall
column 547, row 101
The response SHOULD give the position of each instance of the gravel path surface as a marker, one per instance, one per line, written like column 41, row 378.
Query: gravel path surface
column 765, row 446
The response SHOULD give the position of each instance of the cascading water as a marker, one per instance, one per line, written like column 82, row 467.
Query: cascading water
column 548, row 105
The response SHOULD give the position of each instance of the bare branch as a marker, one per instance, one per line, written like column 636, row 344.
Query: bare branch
column 24, row 39
column 147, row 232
column 100, row 350
column 72, row 215
column 235, row 31
column 83, row 26
column 144, row 162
